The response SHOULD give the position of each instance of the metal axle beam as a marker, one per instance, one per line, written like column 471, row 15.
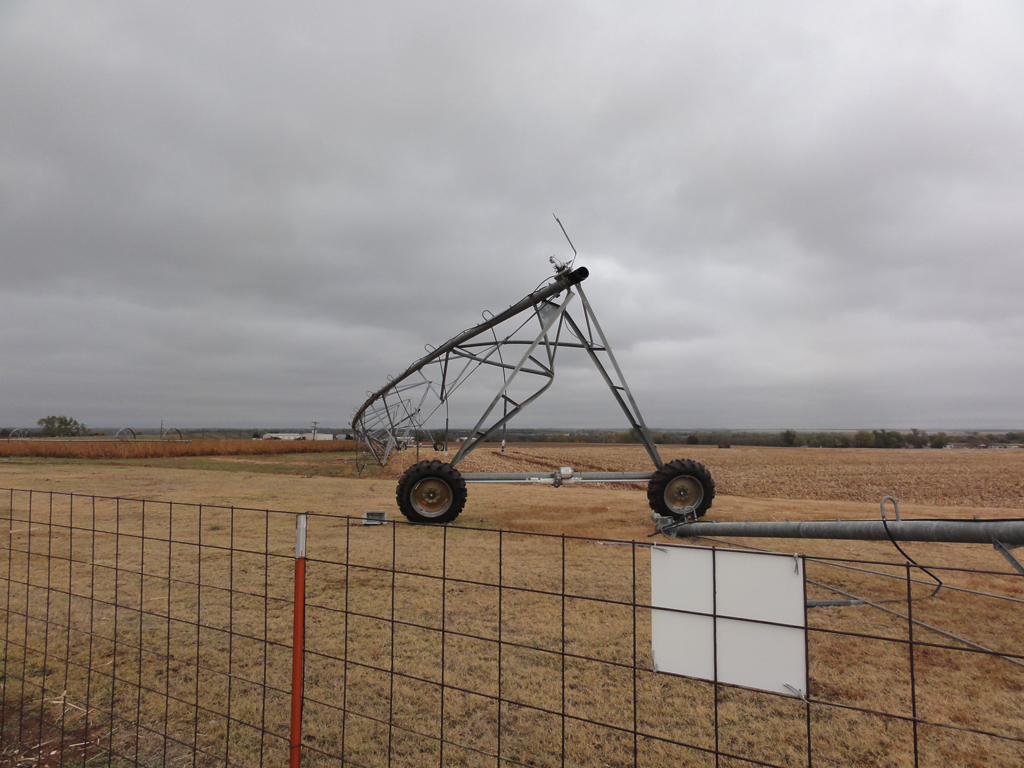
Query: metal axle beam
column 557, row 478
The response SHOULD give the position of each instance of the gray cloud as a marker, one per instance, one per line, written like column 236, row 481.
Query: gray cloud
column 797, row 214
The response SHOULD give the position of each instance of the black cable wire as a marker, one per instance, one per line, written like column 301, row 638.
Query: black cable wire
column 885, row 524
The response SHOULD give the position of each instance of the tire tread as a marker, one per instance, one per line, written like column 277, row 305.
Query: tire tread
column 421, row 471
column 675, row 468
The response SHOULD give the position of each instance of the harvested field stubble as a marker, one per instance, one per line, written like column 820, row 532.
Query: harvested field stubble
column 163, row 449
column 968, row 478
column 500, row 614
column 939, row 478
column 450, row 631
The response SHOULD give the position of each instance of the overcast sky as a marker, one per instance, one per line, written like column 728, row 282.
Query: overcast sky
column 795, row 214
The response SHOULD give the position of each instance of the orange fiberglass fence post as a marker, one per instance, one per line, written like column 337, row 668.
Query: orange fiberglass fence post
column 298, row 637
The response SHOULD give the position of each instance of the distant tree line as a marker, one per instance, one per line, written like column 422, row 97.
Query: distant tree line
column 876, row 438
column 61, row 426
column 791, row 438
column 64, row 426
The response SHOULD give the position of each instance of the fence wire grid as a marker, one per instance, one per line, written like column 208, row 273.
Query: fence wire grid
column 139, row 632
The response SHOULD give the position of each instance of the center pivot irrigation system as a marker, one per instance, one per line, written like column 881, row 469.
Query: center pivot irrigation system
column 518, row 346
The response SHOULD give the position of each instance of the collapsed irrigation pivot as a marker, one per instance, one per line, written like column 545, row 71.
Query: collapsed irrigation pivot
column 521, row 345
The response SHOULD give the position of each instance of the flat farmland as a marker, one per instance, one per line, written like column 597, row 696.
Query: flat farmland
column 752, row 483
column 858, row 662
column 975, row 478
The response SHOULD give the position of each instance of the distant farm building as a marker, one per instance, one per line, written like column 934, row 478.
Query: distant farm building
column 298, row 436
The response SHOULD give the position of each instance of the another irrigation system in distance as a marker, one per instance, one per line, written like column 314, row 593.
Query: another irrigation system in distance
column 518, row 347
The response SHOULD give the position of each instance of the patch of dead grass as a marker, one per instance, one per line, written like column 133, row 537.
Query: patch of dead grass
column 483, row 612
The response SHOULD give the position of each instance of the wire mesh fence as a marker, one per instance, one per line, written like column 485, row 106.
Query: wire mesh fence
column 144, row 632
column 155, row 633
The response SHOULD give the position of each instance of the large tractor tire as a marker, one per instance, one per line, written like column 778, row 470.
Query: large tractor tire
column 679, row 486
column 431, row 492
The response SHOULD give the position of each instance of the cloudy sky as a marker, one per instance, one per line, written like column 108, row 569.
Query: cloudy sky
column 795, row 214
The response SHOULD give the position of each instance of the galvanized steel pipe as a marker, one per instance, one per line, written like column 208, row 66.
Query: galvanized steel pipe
column 1009, row 532
column 553, row 477
column 561, row 282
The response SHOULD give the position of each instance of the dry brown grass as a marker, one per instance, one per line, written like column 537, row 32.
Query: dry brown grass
column 959, row 478
column 858, row 655
column 505, row 642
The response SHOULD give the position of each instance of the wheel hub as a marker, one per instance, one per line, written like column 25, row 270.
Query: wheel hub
column 431, row 497
column 683, row 492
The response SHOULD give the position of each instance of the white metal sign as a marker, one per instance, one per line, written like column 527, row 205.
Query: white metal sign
column 733, row 617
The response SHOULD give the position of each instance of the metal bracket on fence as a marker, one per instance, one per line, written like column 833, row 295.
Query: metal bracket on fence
column 798, row 692
column 1004, row 550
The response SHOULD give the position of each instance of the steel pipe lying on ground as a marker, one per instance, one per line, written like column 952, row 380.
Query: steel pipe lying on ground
column 1009, row 532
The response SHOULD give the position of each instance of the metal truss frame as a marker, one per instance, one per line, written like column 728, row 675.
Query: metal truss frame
column 398, row 412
